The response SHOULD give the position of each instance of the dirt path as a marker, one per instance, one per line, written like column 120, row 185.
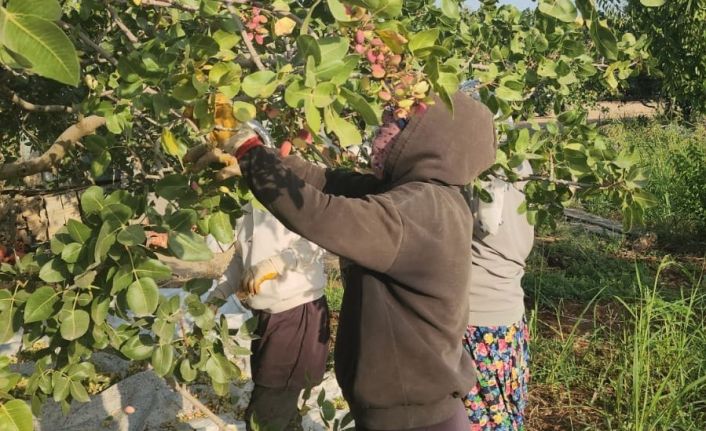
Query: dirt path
column 609, row 111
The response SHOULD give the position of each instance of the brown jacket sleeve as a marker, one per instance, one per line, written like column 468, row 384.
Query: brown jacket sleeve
column 339, row 182
column 367, row 230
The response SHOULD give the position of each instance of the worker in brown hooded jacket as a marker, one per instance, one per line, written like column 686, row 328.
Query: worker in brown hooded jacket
column 398, row 358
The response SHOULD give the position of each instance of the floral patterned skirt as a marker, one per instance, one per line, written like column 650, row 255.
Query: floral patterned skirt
column 501, row 356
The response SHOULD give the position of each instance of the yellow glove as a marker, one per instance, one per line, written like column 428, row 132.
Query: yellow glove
column 223, row 142
column 267, row 269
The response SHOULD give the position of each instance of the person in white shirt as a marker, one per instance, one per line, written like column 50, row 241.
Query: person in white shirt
column 280, row 276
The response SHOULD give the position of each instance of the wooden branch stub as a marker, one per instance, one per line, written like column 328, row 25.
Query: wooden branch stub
column 29, row 106
column 55, row 153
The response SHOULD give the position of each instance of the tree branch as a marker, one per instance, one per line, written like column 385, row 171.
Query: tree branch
column 164, row 3
column 222, row 426
column 87, row 40
column 121, row 25
column 557, row 181
column 244, row 35
column 29, row 106
column 55, row 153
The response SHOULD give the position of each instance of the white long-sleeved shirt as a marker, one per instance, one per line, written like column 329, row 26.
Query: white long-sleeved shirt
column 262, row 236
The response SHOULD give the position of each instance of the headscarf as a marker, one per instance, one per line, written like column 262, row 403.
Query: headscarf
column 392, row 126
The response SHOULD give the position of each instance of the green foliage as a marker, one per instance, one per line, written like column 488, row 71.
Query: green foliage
column 678, row 46
column 30, row 37
column 675, row 159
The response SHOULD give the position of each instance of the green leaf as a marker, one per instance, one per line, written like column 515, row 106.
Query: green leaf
column 260, row 84
column 163, row 359
column 218, row 368
column 99, row 309
column 154, row 269
column 323, row 94
column 338, row 10
column 423, row 39
column 220, row 227
column 6, row 299
column 187, row 372
column 74, row 324
column 381, row 8
column 248, row 330
column 92, row 200
column 164, row 330
column 53, row 271
column 563, row 10
column 132, row 235
column 198, row 286
column 296, row 93
column 182, row 219
column 118, row 213
column 60, row 240
column 100, row 163
column 203, row 47
column 42, row 43
column 106, row 238
column 605, row 40
column 185, row 91
column 189, row 246
column 547, row 68
column 40, row 304
column 508, row 91
column 15, row 415
column 78, row 392
column 71, row 252
column 339, row 71
column 223, row 74
column 586, row 8
column 244, row 111
column 370, row 115
column 143, row 297
column 172, row 186
column 122, row 279
column 138, row 348
column 85, row 280
column 446, row 85
column 328, row 410
column 171, row 145
column 47, row 9
column 653, row 3
column 451, row 9
column 308, row 47
column 9, row 324
column 645, row 199
column 312, row 115
column 60, row 385
column 332, row 49
column 489, row 75
column 346, row 132
column 79, row 232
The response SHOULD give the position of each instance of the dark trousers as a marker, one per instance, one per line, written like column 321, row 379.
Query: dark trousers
column 290, row 355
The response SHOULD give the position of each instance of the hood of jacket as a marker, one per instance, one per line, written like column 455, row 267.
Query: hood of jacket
column 442, row 146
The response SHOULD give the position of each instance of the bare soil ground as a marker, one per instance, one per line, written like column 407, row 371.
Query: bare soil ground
column 606, row 111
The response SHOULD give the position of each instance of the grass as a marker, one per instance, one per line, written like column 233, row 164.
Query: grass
column 675, row 159
column 618, row 339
